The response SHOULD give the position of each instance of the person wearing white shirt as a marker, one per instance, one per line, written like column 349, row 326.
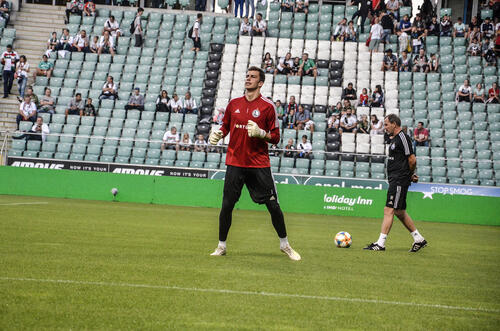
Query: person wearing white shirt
column 195, row 35
column 138, row 33
column 170, row 139
column 39, row 131
column 464, row 92
column 8, row 59
column 245, row 27
column 376, row 33
column 259, row 27
column 348, row 122
column 106, row 44
column 285, row 64
column 175, row 104
column 113, row 27
column 81, row 43
column 304, row 148
column 27, row 111
column 377, row 126
column 200, row 144
column 340, row 31
column 22, row 69
column 189, row 104
column 109, row 89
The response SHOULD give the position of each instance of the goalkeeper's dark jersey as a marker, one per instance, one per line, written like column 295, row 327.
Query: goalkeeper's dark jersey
column 398, row 169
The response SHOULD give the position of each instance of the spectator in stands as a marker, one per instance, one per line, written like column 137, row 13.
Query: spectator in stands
column 420, row 136
column 65, row 41
column 27, row 111
column 387, row 22
column 5, row 11
column 446, row 26
column 106, row 44
column 268, row 64
column 89, row 8
column 433, row 27
column 363, row 98
column 474, row 23
column 340, row 32
column 219, row 116
column 487, row 29
column 81, row 43
column 459, row 28
column 404, row 41
column 303, row 120
column 364, row 124
column 349, row 93
column 287, row 6
column 89, row 109
column 377, row 127
column 171, row 139
column 245, row 27
column 292, row 105
column 44, row 68
column 295, row 66
column 52, row 44
column 377, row 98
column 392, row 7
column 22, row 69
column 75, row 106
column 304, row 149
column 138, row 33
column 249, row 3
column 9, row 59
column 404, row 62
column 490, row 57
column 419, row 24
column 34, row 98
column 94, row 45
column 175, row 104
column 421, row 62
column 109, row 89
column 162, row 102
column 362, row 12
column 376, row 33
column 39, row 131
column 479, row 95
column 185, row 143
column 302, row 6
column 474, row 48
column 238, row 4
column 136, row 100
column 493, row 94
column 280, row 110
column 195, row 35
column 337, row 109
column 289, row 149
column 200, row 145
column 348, row 122
column 259, row 27
column 464, row 92
column 334, row 122
column 285, row 65
column 47, row 102
column 289, row 119
column 307, row 66
column 113, row 27
column 189, row 104
column 273, row 150
column 352, row 32
column 390, row 61
column 405, row 25
column 74, row 7
column 348, row 105
column 434, row 63
column 475, row 35
column 417, row 40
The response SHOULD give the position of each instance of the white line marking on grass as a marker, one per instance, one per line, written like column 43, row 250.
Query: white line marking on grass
column 268, row 294
column 23, row 203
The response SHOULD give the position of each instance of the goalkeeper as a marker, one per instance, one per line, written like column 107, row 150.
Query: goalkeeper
column 252, row 123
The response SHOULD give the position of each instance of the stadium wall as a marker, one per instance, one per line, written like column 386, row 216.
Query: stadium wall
column 208, row 193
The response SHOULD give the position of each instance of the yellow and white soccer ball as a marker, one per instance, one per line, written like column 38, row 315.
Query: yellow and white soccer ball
column 343, row 239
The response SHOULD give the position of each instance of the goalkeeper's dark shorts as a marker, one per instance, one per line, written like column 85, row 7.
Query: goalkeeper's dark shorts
column 259, row 182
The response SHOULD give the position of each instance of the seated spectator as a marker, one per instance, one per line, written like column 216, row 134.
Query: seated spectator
column 109, row 89
column 22, row 70
column 259, row 27
column 475, row 34
column 289, row 119
column 417, row 40
column 487, row 29
column 33, row 96
column 75, row 106
column 136, row 100
column 219, row 116
column 292, row 105
column 65, row 42
column 52, row 44
column 307, row 66
column 433, row 27
column 347, row 105
column 74, row 7
column 185, row 143
column 295, row 67
column 420, row 136
column 289, row 149
column 39, row 131
column 352, row 32
column 280, row 110
column 390, row 61
column 5, row 11
column 113, row 27
column 200, row 145
column 89, row 109
column 106, row 44
column 189, row 104
column 171, row 139
column 268, row 64
column 376, row 33
column 387, row 22
column 446, row 26
column 474, row 23
column 434, row 63
column 349, row 93
column 488, row 52
column 493, row 94
column 479, row 94
column 377, row 98
column 340, row 32
column 47, row 102
column 285, row 65
column 273, row 150
column 245, row 27
column 419, row 24
column 348, row 122
column 474, row 48
column 405, row 25
column 81, row 43
column 287, row 6
column 27, row 111
column 464, row 92
column 421, row 62
column 487, row 45
column 303, row 120
column 363, row 98
column 364, row 125
column 302, row 6
column 44, row 68
column 334, row 123
column 459, row 28
column 377, row 126
column 175, row 104
column 404, row 62
column 162, row 102
column 195, row 35
column 392, row 7
column 94, row 45
column 304, row 149
column 337, row 109
column 89, row 8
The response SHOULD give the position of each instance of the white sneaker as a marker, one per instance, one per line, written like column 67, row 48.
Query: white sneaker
column 219, row 251
column 293, row 255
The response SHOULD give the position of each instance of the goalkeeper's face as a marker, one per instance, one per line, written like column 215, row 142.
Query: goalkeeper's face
column 253, row 82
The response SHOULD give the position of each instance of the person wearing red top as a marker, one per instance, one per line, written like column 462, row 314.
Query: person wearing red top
column 493, row 94
column 251, row 123
column 420, row 136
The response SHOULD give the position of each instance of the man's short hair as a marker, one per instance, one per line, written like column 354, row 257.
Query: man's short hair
column 421, row 123
column 78, row 94
column 262, row 74
column 140, row 10
column 9, row 46
column 112, row 16
column 200, row 15
column 304, row 136
column 39, row 117
column 394, row 119
column 259, row 14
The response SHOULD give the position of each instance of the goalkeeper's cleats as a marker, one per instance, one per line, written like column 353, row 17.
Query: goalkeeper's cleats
column 219, row 251
column 417, row 246
column 292, row 254
column 374, row 247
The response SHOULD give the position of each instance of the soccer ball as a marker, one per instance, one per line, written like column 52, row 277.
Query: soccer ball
column 343, row 239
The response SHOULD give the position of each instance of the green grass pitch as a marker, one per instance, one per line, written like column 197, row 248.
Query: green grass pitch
column 73, row 264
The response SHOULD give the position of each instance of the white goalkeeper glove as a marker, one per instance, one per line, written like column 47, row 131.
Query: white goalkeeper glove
column 215, row 136
column 255, row 131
